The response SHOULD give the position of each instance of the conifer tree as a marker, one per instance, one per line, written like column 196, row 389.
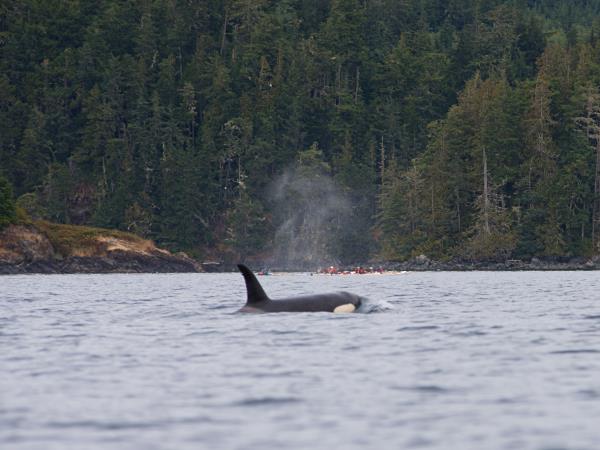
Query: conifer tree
column 7, row 204
column 449, row 126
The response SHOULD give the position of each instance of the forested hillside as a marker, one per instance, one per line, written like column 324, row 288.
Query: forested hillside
column 346, row 128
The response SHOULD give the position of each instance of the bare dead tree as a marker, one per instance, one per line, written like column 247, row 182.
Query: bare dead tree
column 590, row 125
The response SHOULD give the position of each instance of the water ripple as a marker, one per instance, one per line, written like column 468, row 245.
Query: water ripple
column 419, row 328
column 267, row 401
column 575, row 351
column 450, row 361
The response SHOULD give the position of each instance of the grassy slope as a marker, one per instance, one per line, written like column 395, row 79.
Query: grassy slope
column 74, row 239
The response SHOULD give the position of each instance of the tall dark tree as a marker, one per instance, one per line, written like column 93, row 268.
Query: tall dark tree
column 461, row 128
column 7, row 203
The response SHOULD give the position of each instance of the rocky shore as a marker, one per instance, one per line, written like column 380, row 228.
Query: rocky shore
column 43, row 247
column 423, row 263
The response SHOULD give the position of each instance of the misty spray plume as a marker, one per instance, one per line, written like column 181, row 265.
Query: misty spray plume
column 310, row 209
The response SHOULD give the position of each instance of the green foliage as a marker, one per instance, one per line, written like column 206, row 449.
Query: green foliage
column 173, row 119
column 8, row 212
column 74, row 239
column 491, row 238
column 247, row 226
column 310, row 162
column 31, row 206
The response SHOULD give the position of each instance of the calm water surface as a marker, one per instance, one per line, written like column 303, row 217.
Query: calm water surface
column 455, row 361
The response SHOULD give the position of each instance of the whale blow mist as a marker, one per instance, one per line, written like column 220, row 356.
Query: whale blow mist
column 310, row 209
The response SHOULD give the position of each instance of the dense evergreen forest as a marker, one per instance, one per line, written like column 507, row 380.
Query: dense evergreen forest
column 392, row 128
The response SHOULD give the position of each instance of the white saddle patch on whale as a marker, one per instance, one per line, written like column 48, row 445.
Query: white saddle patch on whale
column 347, row 308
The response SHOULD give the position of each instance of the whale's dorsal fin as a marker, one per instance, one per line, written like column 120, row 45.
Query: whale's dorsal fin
column 254, row 290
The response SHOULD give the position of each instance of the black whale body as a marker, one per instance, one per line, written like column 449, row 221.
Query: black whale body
column 258, row 301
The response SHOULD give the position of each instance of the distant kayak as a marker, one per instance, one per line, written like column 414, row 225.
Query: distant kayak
column 354, row 272
column 264, row 273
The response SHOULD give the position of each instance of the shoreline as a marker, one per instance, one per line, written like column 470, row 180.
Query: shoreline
column 424, row 264
column 47, row 248
column 125, row 264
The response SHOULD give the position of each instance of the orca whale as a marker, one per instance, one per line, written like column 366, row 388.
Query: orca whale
column 258, row 301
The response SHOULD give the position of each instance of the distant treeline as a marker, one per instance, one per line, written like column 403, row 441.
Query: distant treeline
column 456, row 128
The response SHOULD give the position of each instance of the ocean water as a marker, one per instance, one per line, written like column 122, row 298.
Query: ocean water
column 443, row 361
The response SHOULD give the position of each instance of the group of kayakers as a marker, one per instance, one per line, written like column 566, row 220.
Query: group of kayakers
column 333, row 270
column 359, row 270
